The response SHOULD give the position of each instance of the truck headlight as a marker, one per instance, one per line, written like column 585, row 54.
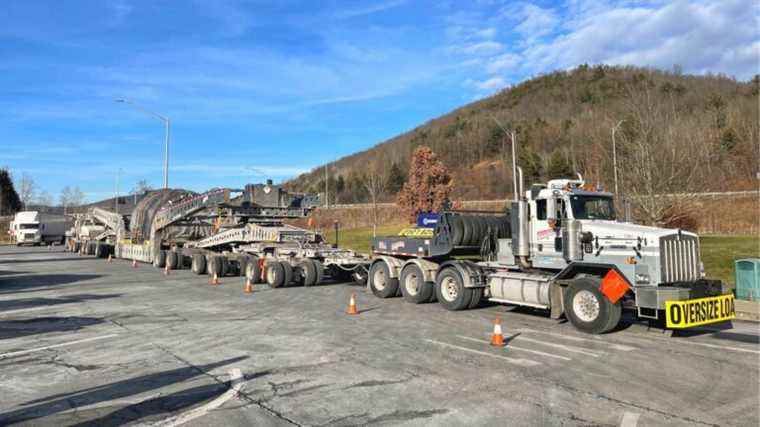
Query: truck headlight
column 642, row 279
column 702, row 270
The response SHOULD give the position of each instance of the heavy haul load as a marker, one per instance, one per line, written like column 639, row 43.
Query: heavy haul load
column 95, row 232
column 37, row 228
column 231, row 231
column 561, row 248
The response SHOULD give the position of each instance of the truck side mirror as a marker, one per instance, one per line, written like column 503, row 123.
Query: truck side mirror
column 551, row 212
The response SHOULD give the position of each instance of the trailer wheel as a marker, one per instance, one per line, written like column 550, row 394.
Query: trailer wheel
column 76, row 246
column 279, row 274
column 100, row 250
column 450, row 290
column 308, row 272
column 414, row 288
column 588, row 309
column 381, row 282
column 215, row 265
column 159, row 261
column 172, row 260
column 253, row 270
column 456, row 230
column 198, row 265
column 242, row 264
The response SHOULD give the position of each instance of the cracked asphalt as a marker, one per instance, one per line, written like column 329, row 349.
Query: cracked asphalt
column 86, row 342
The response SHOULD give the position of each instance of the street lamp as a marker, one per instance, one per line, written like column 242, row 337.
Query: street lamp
column 166, row 137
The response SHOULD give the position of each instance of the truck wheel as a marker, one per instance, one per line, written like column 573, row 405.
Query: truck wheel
column 456, row 230
column 242, row 264
column 215, row 265
column 320, row 269
column 279, row 274
column 159, row 261
column 253, row 270
column 308, row 272
column 380, row 281
column 172, row 260
column 477, row 296
column 198, row 265
column 414, row 288
column 588, row 309
column 450, row 290
column 100, row 250
column 360, row 276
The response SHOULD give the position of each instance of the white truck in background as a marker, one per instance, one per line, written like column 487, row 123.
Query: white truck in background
column 36, row 228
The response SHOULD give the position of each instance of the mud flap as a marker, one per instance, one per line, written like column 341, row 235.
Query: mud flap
column 555, row 301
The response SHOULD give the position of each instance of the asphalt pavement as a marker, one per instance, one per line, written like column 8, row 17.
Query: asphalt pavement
column 87, row 342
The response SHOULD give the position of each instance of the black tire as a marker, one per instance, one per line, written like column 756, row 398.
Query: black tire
column 467, row 229
column 90, row 248
column 172, row 260
column 76, row 246
column 214, row 266
column 360, row 276
column 477, row 296
column 242, row 264
column 413, row 286
column 253, row 270
column 320, row 271
column 477, row 231
column 307, row 272
column 450, row 290
column 198, row 264
column 457, row 232
column 159, row 261
column 588, row 309
column 380, row 281
column 100, row 250
column 225, row 266
column 276, row 274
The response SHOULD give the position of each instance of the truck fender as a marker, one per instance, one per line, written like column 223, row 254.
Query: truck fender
column 428, row 268
column 472, row 274
column 394, row 264
column 613, row 283
column 556, row 303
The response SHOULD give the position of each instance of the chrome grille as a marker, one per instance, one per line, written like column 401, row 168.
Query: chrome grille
column 679, row 258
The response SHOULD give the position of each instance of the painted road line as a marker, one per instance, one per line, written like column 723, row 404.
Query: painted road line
column 614, row 346
column 569, row 348
column 630, row 419
column 236, row 379
column 18, row 353
column 679, row 341
column 522, row 362
column 511, row 346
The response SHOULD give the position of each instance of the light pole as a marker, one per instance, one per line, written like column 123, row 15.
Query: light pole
column 514, row 158
column 166, row 135
column 116, row 199
column 614, row 156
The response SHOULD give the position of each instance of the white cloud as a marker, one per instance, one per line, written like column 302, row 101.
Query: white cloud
column 536, row 22
column 368, row 10
column 503, row 63
column 491, row 84
column 482, row 48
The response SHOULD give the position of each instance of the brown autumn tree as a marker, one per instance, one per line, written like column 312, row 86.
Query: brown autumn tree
column 428, row 185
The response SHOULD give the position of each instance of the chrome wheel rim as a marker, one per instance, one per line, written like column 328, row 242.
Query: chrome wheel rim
column 449, row 289
column 586, row 306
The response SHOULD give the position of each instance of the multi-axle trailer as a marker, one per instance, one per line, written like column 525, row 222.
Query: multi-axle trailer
column 229, row 232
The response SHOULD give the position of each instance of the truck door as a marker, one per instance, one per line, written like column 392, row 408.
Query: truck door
column 544, row 237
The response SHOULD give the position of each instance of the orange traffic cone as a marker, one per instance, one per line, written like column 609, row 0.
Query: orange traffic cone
column 134, row 263
column 352, row 305
column 497, row 338
column 214, row 280
column 248, row 286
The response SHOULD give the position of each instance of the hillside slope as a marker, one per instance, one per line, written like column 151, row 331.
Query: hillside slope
column 564, row 123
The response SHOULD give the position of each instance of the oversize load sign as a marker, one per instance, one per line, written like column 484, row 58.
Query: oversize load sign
column 695, row 312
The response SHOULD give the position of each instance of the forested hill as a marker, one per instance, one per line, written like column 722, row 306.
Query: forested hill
column 676, row 132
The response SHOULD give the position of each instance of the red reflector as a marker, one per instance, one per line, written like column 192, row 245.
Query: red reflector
column 614, row 286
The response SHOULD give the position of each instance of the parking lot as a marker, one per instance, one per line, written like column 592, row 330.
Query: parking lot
column 84, row 341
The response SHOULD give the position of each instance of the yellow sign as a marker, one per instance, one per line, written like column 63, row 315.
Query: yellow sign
column 695, row 312
column 417, row 232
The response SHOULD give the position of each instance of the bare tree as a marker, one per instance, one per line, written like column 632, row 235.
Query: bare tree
column 662, row 167
column 141, row 187
column 375, row 183
column 71, row 197
column 44, row 200
column 27, row 189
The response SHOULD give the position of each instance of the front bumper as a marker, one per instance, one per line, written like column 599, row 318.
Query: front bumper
column 655, row 297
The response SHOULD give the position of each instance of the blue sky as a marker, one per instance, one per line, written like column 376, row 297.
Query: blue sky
column 260, row 89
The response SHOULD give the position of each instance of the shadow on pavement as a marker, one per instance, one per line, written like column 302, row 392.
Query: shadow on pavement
column 41, row 325
column 21, row 303
column 40, row 281
column 52, row 405
column 24, row 261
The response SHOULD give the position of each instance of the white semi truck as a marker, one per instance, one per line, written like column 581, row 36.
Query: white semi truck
column 561, row 248
column 37, row 228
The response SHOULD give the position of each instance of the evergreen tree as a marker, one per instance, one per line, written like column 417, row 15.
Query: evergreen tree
column 396, row 179
column 10, row 203
column 559, row 166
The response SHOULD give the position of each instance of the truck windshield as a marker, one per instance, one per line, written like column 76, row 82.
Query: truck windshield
column 592, row 207
column 28, row 226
